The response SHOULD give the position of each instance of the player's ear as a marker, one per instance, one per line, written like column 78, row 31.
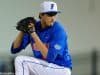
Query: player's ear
column 40, row 15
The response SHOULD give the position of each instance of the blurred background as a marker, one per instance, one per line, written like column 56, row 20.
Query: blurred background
column 81, row 18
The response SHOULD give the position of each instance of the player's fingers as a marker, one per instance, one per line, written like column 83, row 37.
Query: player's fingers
column 31, row 25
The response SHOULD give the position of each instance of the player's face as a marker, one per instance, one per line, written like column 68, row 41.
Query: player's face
column 48, row 19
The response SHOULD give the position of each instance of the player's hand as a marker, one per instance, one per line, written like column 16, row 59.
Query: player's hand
column 31, row 27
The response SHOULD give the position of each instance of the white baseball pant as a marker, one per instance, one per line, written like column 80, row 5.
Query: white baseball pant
column 25, row 65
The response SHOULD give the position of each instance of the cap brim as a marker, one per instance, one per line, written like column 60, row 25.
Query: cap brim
column 52, row 11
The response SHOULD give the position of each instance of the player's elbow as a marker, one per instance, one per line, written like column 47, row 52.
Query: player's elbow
column 13, row 51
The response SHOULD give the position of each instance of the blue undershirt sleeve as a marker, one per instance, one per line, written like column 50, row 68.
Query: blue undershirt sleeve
column 24, row 43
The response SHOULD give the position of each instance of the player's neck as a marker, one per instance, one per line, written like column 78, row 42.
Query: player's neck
column 43, row 25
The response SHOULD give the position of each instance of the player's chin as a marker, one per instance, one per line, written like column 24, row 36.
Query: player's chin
column 50, row 24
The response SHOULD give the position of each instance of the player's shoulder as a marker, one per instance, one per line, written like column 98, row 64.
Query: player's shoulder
column 59, row 29
column 58, row 26
column 56, row 23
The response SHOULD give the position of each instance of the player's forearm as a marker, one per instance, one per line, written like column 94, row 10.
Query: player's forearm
column 18, row 40
column 43, row 49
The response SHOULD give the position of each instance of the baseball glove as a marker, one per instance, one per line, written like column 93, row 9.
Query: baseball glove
column 23, row 24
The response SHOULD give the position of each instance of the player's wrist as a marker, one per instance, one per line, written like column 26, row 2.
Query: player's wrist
column 31, row 32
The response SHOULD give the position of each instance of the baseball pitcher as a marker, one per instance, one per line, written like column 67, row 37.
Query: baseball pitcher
column 48, row 40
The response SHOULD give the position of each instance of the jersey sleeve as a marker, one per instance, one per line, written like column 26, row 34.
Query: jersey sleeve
column 56, row 45
column 24, row 43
